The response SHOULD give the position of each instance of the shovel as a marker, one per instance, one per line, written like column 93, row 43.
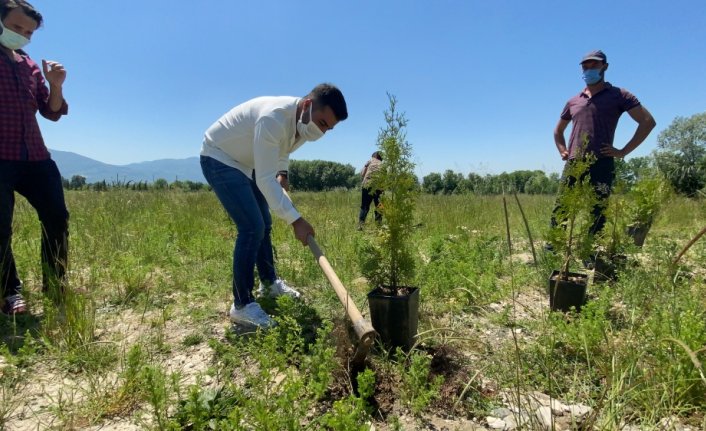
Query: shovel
column 363, row 329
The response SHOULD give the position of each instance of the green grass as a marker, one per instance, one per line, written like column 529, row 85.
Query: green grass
column 144, row 338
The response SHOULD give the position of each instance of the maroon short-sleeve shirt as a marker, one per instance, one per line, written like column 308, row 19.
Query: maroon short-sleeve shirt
column 596, row 117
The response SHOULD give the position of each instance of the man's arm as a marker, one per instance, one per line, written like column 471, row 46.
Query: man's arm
column 559, row 138
column 55, row 74
column 302, row 228
column 645, row 124
column 365, row 170
column 268, row 133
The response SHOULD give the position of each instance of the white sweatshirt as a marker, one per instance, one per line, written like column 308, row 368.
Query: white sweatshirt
column 258, row 134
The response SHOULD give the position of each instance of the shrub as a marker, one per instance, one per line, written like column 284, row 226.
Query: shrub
column 387, row 260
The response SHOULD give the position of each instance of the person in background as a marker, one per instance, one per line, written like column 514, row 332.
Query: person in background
column 244, row 158
column 369, row 195
column 594, row 115
column 25, row 163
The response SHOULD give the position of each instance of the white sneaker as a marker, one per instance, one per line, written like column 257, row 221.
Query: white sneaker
column 251, row 315
column 278, row 288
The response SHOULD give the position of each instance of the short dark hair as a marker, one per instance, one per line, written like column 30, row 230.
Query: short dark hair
column 377, row 155
column 6, row 6
column 329, row 95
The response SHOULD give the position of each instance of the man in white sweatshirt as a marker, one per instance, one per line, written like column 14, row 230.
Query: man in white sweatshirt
column 244, row 158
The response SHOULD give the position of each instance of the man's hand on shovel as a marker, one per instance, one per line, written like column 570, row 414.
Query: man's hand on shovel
column 302, row 230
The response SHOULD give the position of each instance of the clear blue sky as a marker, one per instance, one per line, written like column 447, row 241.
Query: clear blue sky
column 482, row 82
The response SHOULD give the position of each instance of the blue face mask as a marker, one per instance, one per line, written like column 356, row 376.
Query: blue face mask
column 592, row 76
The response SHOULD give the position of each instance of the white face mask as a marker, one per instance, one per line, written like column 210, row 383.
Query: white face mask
column 11, row 40
column 309, row 131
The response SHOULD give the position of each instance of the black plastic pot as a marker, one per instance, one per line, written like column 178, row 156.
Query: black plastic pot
column 395, row 317
column 567, row 292
column 606, row 267
column 638, row 233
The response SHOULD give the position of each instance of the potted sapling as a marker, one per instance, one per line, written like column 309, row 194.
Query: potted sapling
column 610, row 255
column 386, row 255
column 646, row 198
column 571, row 237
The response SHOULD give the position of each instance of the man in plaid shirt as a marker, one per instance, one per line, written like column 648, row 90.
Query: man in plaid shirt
column 25, row 164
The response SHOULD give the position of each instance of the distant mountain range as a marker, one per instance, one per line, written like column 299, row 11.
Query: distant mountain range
column 71, row 164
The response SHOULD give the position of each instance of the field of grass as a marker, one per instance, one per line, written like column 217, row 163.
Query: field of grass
column 144, row 342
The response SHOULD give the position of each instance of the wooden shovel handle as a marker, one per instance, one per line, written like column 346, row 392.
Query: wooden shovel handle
column 688, row 245
column 363, row 329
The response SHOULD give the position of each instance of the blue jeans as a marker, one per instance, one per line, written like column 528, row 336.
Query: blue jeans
column 40, row 183
column 248, row 208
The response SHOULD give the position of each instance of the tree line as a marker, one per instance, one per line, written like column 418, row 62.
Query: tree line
column 79, row 182
column 680, row 157
column 319, row 175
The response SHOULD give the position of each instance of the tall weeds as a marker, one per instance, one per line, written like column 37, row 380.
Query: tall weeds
column 150, row 282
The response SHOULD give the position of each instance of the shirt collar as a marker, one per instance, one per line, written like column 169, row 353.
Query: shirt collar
column 606, row 87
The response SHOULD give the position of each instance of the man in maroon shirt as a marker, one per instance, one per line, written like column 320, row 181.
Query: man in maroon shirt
column 594, row 113
column 25, row 163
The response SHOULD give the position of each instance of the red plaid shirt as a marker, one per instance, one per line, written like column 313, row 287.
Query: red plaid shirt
column 23, row 92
